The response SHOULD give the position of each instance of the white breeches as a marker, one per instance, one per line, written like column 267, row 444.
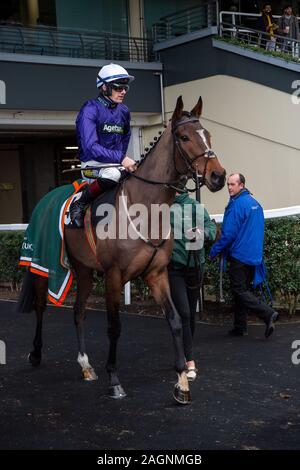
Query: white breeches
column 112, row 173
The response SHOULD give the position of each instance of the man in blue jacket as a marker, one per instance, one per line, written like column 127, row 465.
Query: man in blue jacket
column 241, row 242
column 103, row 134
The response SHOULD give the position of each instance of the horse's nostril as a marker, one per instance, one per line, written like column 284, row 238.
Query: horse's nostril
column 218, row 178
column 215, row 177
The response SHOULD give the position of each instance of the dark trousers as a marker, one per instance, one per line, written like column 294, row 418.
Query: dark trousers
column 184, row 286
column 241, row 276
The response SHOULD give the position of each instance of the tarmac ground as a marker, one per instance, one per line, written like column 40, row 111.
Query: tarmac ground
column 246, row 395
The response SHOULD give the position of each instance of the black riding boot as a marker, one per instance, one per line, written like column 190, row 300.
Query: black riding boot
column 89, row 193
column 78, row 208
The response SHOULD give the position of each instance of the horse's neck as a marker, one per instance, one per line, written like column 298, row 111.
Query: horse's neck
column 157, row 166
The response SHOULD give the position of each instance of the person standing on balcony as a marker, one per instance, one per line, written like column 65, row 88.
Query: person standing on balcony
column 289, row 28
column 103, row 134
column 268, row 26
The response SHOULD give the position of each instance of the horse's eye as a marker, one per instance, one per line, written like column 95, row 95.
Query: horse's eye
column 184, row 138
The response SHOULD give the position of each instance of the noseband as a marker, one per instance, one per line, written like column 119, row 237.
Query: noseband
column 208, row 154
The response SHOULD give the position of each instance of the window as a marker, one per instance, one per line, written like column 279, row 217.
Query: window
column 156, row 9
column 97, row 16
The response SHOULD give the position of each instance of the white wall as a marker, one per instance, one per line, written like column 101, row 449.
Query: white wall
column 255, row 131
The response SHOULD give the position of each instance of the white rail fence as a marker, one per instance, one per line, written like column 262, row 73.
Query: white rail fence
column 269, row 214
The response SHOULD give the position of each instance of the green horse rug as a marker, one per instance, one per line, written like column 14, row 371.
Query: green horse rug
column 43, row 248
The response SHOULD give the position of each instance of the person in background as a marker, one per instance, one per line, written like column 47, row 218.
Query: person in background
column 288, row 27
column 241, row 242
column 269, row 27
column 186, row 266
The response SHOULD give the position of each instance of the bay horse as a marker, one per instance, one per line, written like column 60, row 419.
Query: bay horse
column 183, row 150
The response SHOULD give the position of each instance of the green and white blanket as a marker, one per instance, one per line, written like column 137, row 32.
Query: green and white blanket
column 43, row 249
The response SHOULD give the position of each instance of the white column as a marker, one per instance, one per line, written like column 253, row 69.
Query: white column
column 32, row 11
column 136, row 18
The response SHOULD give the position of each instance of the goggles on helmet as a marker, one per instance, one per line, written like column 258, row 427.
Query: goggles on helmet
column 119, row 86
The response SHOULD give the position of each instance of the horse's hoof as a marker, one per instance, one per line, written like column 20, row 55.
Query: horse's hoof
column 182, row 396
column 89, row 375
column 34, row 360
column 116, row 391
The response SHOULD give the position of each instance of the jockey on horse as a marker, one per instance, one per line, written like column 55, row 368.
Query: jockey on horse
column 103, row 134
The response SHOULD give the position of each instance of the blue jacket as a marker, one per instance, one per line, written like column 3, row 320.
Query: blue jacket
column 103, row 131
column 242, row 230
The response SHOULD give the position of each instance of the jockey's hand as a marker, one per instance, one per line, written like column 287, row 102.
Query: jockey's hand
column 129, row 164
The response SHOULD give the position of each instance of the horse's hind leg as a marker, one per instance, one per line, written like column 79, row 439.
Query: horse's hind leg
column 113, row 295
column 40, row 286
column 84, row 287
column 159, row 285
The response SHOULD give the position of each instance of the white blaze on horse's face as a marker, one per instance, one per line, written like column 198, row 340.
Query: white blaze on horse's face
column 201, row 132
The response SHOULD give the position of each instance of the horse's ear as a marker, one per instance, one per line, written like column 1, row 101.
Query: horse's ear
column 178, row 110
column 197, row 110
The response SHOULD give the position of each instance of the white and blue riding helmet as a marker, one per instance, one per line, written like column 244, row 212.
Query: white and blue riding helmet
column 112, row 73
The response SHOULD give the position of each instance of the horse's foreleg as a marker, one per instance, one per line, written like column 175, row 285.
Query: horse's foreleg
column 113, row 294
column 40, row 287
column 159, row 285
column 84, row 287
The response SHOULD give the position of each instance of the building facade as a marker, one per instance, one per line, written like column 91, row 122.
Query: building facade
column 51, row 51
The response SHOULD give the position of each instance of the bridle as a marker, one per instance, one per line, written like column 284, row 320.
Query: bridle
column 198, row 179
column 207, row 154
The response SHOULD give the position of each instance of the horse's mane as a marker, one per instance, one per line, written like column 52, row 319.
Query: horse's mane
column 147, row 153
column 156, row 140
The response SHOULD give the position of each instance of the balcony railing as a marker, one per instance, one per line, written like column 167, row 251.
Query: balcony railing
column 49, row 41
column 244, row 28
column 240, row 19
column 255, row 39
column 186, row 21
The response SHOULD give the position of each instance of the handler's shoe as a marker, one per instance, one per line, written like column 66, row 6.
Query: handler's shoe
column 270, row 327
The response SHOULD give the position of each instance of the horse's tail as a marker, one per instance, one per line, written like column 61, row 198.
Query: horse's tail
column 27, row 296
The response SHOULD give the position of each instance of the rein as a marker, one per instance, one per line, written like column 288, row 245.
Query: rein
column 168, row 184
column 154, row 246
